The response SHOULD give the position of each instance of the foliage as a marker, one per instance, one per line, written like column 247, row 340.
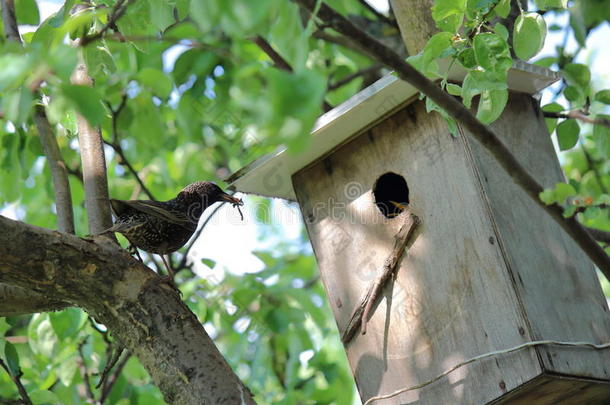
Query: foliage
column 183, row 93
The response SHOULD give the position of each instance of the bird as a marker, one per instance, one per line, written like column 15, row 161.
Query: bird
column 162, row 227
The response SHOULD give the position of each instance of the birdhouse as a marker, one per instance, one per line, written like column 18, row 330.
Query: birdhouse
column 487, row 270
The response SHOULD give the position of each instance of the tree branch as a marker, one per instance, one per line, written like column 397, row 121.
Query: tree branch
column 362, row 72
column 17, row 380
column 21, row 301
column 94, row 166
column 579, row 115
column 117, row 12
column 481, row 132
column 602, row 236
column 279, row 61
column 145, row 316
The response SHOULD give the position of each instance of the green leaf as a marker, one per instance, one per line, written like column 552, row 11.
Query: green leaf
column 491, row 105
column 501, row 31
column 577, row 74
column 549, row 4
column 528, row 35
column 449, row 14
column 85, row 100
column 574, row 94
column 567, row 134
column 17, row 105
column 502, row 9
column 551, row 123
column 68, row 322
column 193, row 62
column 601, row 135
column 12, row 358
column 477, row 82
column 26, row 12
column 45, row 397
column 563, row 191
column 491, row 52
column 603, row 96
column 161, row 14
column 577, row 22
column 209, row 262
column 466, row 58
column 547, row 196
column 156, row 81
column 13, row 70
column 454, row 89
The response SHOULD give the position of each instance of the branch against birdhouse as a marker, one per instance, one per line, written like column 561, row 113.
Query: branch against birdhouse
column 481, row 132
column 360, row 315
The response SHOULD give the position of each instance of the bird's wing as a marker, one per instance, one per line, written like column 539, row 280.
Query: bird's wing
column 155, row 209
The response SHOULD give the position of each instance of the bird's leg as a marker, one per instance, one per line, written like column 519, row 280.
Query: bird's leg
column 170, row 272
column 132, row 249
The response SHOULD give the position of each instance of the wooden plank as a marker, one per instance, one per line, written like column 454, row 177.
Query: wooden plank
column 549, row 389
column 555, row 281
column 453, row 297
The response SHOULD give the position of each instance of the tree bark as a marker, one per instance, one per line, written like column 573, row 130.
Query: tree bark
column 19, row 301
column 145, row 316
column 94, row 166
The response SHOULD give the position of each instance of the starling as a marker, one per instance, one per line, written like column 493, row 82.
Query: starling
column 163, row 227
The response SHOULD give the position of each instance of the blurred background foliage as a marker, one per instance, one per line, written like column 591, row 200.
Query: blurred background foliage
column 184, row 90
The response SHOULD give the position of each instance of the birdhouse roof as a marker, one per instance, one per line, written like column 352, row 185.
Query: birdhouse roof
column 271, row 175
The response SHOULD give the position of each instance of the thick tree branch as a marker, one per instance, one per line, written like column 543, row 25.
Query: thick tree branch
column 481, row 132
column 94, row 166
column 145, row 316
column 21, row 301
column 602, row 236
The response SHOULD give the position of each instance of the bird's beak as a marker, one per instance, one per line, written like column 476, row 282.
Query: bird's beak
column 230, row 199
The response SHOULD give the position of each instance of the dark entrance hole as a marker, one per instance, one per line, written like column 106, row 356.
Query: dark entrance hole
column 391, row 194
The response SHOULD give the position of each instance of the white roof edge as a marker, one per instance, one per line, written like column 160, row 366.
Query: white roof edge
column 271, row 175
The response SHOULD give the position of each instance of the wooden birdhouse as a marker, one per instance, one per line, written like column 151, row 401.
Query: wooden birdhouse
column 486, row 270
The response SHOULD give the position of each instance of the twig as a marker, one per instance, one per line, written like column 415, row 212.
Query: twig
column 349, row 78
column 481, row 132
column 487, row 355
column 17, row 380
column 379, row 15
column 279, row 61
column 59, row 174
column 117, row 12
column 360, row 315
column 113, row 378
column 578, row 115
column 84, row 371
column 112, row 359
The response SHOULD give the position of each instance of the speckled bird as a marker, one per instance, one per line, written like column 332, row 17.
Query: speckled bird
column 162, row 227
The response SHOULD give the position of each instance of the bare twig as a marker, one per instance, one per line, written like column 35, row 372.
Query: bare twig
column 107, row 388
column 481, row 132
column 117, row 12
column 578, row 115
column 362, row 72
column 115, row 354
column 118, row 149
column 360, row 315
column 279, row 61
column 17, row 381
